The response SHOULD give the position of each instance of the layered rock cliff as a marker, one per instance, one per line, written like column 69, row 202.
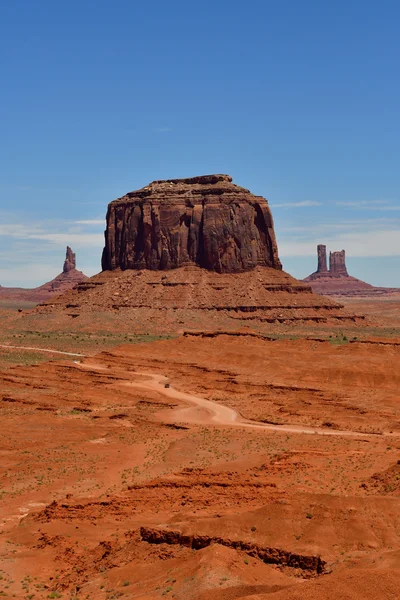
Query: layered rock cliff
column 222, row 239
column 206, row 221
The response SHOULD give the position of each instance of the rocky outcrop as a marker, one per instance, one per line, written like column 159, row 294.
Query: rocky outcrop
column 192, row 254
column 274, row 556
column 337, row 282
column 205, row 221
column 70, row 261
column 337, row 263
column 66, row 280
column 321, row 250
column 192, row 298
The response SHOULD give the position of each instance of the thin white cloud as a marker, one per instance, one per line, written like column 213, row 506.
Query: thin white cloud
column 361, row 240
column 362, row 203
column 70, row 239
column 33, row 252
column 60, row 238
column 350, row 225
column 91, row 222
column 29, row 275
column 24, row 188
column 379, row 205
column 303, row 204
column 383, row 208
column 382, row 205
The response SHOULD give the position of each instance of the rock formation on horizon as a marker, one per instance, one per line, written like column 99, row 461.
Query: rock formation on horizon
column 69, row 277
column 70, row 261
column 321, row 250
column 206, row 221
column 336, row 281
column 66, row 280
column 337, row 263
column 195, row 253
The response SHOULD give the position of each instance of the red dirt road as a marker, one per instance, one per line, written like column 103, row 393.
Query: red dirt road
column 213, row 413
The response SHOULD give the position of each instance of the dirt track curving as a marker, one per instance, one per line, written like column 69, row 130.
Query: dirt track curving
column 48, row 350
column 213, row 413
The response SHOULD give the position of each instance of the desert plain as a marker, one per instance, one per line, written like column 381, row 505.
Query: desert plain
column 254, row 462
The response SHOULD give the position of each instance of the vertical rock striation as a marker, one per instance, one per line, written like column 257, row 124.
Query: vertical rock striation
column 337, row 263
column 70, row 261
column 66, row 280
column 322, row 265
column 337, row 281
column 205, row 221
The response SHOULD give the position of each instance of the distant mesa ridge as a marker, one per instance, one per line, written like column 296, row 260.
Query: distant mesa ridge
column 206, row 221
column 336, row 280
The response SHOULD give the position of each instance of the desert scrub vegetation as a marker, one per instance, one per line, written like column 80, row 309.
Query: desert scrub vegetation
column 22, row 357
column 338, row 339
column 75, row 341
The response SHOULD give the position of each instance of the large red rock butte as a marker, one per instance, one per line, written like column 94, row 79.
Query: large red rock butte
column 206, row 221
column 336, row 281
column 194, row 253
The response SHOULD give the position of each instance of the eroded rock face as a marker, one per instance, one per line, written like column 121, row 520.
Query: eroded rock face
column 337, row 263
column 337, row 282
column 70, row 261
column 321, row 251
column 206, row 221
column 66, row 280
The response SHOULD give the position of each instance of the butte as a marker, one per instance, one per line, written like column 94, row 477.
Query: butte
column 67, row 279
column 198, row 254
column 336, row 281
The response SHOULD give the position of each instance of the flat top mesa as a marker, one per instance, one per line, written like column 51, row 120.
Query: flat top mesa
column 206, row 221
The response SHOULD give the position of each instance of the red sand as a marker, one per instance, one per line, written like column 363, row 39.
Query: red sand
column 106, row 491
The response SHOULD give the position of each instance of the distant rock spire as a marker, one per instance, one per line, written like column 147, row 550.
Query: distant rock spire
column 322, row 267
column 337, row 263
column 70, row 261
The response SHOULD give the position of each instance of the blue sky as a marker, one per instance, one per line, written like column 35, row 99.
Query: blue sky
column 298, row 101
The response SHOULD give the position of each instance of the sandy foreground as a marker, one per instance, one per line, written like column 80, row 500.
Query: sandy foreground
column 203, row 467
